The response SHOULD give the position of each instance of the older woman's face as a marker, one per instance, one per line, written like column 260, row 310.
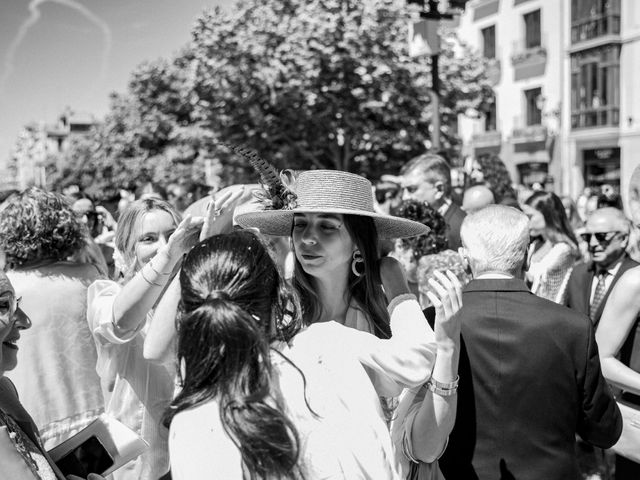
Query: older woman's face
column 322, row 244
column 12, row 321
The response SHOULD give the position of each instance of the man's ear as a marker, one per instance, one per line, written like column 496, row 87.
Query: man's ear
column 464, row 258
column 625, row 242
column 439, row 185
column 527, row 258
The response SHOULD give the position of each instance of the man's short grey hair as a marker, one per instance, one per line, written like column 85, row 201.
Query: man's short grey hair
column 496, row 239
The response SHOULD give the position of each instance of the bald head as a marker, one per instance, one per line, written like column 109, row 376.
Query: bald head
column 607, row 219
column 476, row 198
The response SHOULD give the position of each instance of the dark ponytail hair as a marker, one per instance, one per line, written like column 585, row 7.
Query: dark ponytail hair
column 234, row 304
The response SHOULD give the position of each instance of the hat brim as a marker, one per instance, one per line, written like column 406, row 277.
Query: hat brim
column 279, row 222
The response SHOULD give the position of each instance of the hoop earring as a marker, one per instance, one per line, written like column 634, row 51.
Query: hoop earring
column 357, row 259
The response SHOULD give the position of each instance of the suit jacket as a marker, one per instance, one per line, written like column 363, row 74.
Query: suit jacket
column 581, row 281
column 535, row 383
column 453, row 217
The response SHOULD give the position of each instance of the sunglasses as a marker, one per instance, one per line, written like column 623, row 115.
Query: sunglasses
column 603, row 238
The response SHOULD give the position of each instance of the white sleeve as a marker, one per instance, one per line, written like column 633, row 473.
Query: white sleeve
column 404, row 360
column 100, row 298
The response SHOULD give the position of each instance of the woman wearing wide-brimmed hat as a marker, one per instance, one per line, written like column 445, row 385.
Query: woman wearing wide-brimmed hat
column 338, row 273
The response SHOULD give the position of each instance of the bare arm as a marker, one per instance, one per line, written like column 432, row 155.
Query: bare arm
column 162, row 332
column 138, row 296
column 158, row 345
column 436, row 416
column 618, row 317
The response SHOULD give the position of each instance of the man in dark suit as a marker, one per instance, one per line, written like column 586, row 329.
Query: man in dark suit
column 427, row 179
column 535, row 377
column 607, row 233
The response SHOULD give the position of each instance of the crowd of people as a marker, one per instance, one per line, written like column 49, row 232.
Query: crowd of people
column 337, row 331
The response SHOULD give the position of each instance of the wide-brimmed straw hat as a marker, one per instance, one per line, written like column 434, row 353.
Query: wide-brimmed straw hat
column 331, row 191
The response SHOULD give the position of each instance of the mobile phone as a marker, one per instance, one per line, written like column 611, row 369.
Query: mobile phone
column 89, row 457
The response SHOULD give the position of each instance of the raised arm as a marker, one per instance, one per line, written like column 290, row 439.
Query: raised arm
column 426, row 416
column 158, row 345
column 619, row 316
column 139, row 295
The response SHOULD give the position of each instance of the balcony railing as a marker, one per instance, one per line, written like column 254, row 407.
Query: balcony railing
column 523, row 54
column 607, row 116
column 491, row 138
column 529, row 134
column 595, row 26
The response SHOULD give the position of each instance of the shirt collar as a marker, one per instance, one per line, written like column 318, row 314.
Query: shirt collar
column 445, row 206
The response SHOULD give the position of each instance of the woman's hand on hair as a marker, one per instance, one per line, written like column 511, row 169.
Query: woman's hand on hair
column 393, row 278
column 219, row 216
column 446, row 297
column 184, row 237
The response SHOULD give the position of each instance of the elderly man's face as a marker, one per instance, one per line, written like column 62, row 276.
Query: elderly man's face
column 607, row 237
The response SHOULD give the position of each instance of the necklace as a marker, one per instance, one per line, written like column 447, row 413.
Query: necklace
column 20, row 441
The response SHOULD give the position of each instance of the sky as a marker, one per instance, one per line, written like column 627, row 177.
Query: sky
column 72, row 53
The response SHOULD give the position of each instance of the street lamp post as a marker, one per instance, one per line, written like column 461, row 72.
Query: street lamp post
column 433, row 13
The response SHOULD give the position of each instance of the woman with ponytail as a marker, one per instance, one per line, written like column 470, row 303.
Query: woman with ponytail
column 262, row 397
column 150, row 241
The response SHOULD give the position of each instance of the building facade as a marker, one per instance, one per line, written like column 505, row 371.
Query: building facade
column 566, row 113
column 37, row 142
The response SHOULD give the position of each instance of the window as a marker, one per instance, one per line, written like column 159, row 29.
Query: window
column 595, row 87
column 594, row 18
column 489, row 42
column 534, row 114
column 490, row 116
column 532, row 37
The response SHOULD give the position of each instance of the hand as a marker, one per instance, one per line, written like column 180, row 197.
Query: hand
column 184, row 237
column 219, row 216
column 107, row 219
column 393, row 278
column 447, row 300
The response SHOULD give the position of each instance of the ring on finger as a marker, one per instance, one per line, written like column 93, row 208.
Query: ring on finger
column 216, row 212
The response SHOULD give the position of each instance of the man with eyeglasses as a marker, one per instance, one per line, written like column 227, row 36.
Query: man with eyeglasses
column 607, row 236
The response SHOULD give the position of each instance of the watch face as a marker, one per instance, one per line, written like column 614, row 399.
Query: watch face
column 88, row 457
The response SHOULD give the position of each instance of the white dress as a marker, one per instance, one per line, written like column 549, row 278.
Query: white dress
column 139, row 390
column 345, row 372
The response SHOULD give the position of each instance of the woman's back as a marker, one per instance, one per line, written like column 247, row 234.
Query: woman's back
column 338, row 440
column 56, row 375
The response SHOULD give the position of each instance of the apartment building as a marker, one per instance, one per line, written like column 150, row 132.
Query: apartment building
column 566, row 113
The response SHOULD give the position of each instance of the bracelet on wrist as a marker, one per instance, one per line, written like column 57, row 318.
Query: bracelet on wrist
column 443, row 389
column 149, row 281
column 160, row 274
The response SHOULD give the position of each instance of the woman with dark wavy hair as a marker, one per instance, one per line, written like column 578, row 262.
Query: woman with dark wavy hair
column 489, row 170
column 422, row 256
column 56, row 377
column 263, row 397
column 554, row 246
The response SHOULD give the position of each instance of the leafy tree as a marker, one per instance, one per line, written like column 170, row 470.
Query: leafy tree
column 313, row 84
column 326, row 83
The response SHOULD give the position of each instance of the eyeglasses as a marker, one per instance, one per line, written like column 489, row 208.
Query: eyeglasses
column 603, row 238
column 9, row 305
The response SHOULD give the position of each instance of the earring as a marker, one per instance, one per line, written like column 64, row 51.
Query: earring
column 357, row 259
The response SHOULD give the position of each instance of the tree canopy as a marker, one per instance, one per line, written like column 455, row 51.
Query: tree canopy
column 313, row 84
